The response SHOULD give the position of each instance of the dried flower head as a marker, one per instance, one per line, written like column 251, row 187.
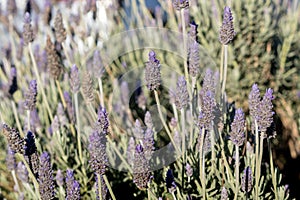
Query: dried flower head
column 141, row 172
column 74, row 79
column 28, row 35
column 247, row 180
column 54, row 65
column 237, row 135
column 60, row 31
column 152, row 72
column 15, row 142
column 182, row 95
column 46, row 183
column 87, row 87
column 30, row 96
column 180, row 4
column 73, row 187
column 227, row 32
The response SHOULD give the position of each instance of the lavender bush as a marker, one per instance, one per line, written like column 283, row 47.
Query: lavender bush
column 119, row 100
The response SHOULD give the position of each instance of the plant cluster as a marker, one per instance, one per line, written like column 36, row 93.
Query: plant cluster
column 89, row 114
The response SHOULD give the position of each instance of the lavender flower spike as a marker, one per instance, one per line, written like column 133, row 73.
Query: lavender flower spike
column 152, row 72
column 97, row 149
column 227, row 32
column 73, row 187
column 30, row 96
column 182, row 95
column 266, row 113
column 237, row 135
column 208, row 103
column 46, row 183
column 254, row 102
column 141, row 173
column 28, row 35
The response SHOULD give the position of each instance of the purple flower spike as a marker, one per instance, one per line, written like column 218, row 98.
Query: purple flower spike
column 30, row 96
column 73, row 187
column 97, row 149
column 182, row 95
column 266, row 113
column 227, row 32
column 141, row 171
column 254, row 102
column 237, row 135
column 152, row 72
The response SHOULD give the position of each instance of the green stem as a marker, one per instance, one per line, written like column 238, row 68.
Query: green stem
column 61, row 94
column 213, row 153
column 184, row 45
column 237, row 173
column 40, row 85
column 202, row 163
column 257, row 175
column 99, row 186
column 274, row 181
column 13, row 173
column 109, row 187
column 163, row 121
column 78, row 127
column 101, row 92
column 225, row 70
column 17, row 118
column 183, row 132
column 119, row 154
column 66, row 54
column 28, row 119
column 32, row 177
column 228, row 171
column 222, row 64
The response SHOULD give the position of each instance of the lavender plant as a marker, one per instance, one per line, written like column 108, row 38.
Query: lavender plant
column 208, row 150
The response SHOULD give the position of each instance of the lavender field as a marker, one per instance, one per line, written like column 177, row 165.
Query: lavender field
column 142, row 99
